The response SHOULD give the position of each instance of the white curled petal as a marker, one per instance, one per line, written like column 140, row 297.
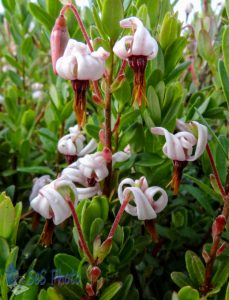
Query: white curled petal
column 66, row 146
column 59, row 206
column 142, row 183
column 38, row 183
column 131, row 22
column 90, row 147
column 143, row 43
column 122, row 48
column 186, row 139
column 153, row 45
column 70, row 48
column 90, row 68
column 181, row 125
column 120, row 156
column 101, row 172
column 74, row 175
column 66, row 67
column 89, row 192
column 162, row 201
column 41, row 205
column 201, row 141
column 172, row 147
column 100, row 53
column 127, row 181
column 143, row 209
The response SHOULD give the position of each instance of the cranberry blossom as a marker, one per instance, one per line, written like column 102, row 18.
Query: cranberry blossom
column 146, row 208
column 180, row 146
column 72, row 144
column 51, row 203
column 136, row 49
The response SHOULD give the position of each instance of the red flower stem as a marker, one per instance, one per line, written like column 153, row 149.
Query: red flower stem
column 118, row 217
column 222, row 191
column 79, row 229
column 76, row 14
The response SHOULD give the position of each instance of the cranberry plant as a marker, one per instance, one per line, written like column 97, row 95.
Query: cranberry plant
column 114, row 139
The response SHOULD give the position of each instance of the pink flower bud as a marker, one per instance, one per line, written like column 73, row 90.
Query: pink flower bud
column 89, row 289
column 94, row 274
column 102, row 136
column 218, row 226
column 59, row 39
column 107, row 154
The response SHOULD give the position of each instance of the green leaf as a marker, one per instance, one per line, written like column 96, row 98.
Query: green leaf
column 53, row 294
column 53, row 7
column 65, row 263
column 96, row 229
column 27, row 46
column 143, row 15
column 227, row 292
column 154, row 105
column 225, row 48
column 224, row 80
column 43, row 295
column 124, row 291
column 180, row 279
column 188, row 293
column 41, row 15
column 4, row 253
column 174, row 53
column 227, row 7
column 92, row 131
column 98, row 22
column 7, row 216
column 110, row 291
column 68, row 291
column 110, row 20
column 177, row 71
column 195, row 268
column 170, row 31
column 221, row 275
column 28, row 118
column 36, row 170
column 205, row 47
column 18, row 210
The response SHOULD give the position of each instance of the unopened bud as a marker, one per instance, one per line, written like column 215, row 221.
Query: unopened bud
column 103, row 250
column 205, row 256
column 89, row 289
column 96, row 99
column 107, row 154
column 94, row 274
column 221, row 249
column 58, row 39
column 100, row 283
column 118, row 83
column 218, row 226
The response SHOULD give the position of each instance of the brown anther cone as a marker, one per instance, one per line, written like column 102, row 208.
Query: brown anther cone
column 80, row 87
column 178, row 167
column 138, row 65
column 58, row 40
column 47, row 233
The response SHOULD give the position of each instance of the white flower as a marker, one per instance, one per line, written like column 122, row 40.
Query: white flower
column 73, row 143
column 38, row 183
column 180, row 146
column 141, row 43
column 51, row 204
column 37, row 86
column 120, row 156
column 79, row 63
column 36, row 95
column 146, row 207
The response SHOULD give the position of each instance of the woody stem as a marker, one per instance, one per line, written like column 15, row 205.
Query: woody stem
column 83, row 243
column 108, row 132
column 219, row 183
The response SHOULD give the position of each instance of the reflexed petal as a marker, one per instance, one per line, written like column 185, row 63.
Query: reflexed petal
column 122, row 48
column 120, row 156
column 90, row 147
column 201, row 141
column 143, row 209
column 41, row 205
column 162, row 201
column 66, row 67
column 38, row 183
column 127, row 181
column 84, row 193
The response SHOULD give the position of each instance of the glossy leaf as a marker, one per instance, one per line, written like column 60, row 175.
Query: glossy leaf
column 7, row 216
column 180, row 279
column 188, row 293
column 110, row 291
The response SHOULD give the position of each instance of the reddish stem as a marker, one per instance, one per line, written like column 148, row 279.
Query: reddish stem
column 76, row 14
column 118, row 217
column 222, row 191
column 79, row 229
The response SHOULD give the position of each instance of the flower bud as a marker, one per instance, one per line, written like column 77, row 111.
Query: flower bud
column 107, row 154
column 89, row 290
column 94, row 274
column 59, row 39
column 218, row 226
